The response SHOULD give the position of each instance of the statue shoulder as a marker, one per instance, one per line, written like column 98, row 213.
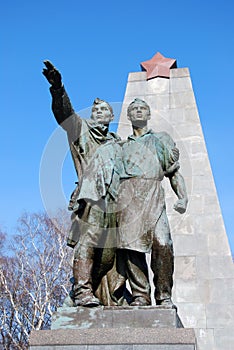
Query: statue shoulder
column 166, row 139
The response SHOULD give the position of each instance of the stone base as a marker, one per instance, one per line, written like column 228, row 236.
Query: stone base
column 115, row 317
column 114, row 339
column 117, row 328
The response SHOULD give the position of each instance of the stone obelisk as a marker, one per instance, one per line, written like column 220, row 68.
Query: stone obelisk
column 204, row 273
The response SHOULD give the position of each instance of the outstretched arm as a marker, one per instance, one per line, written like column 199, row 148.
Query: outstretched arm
column 61, row 104
column 178, row 186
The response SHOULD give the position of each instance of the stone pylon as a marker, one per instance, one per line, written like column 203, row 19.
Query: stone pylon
column 204, row 273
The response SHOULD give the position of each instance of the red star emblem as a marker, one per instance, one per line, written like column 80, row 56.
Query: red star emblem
column 158, row 66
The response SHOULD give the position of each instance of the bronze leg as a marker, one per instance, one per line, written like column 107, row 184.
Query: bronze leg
column 137, row 273
column 83, row 290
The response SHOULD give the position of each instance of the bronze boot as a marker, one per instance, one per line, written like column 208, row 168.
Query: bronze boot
column 83, row 292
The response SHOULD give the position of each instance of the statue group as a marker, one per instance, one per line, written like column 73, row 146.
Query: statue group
column 118, row 206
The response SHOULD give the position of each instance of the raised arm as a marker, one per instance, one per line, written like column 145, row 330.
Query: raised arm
column 61, row 104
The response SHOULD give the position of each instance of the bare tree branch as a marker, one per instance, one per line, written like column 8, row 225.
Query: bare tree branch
column 34, row 280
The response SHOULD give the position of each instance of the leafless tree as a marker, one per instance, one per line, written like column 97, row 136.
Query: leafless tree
column 34, row 278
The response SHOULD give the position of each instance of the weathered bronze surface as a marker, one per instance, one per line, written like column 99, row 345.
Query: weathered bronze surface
column 118, row 206
column 93, row 229
column 143, row 224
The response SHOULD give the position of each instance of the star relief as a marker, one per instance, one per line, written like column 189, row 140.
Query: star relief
column 158, row 66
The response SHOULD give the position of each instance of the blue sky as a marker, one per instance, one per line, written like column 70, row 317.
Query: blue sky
column 95, row 44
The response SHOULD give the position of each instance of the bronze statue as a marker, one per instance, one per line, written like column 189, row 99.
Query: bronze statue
column 118, row 206
column 92, row 201
column 143, row 225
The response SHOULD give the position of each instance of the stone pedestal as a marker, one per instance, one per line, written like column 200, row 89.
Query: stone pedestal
column 115, row 317
column 117, row 328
